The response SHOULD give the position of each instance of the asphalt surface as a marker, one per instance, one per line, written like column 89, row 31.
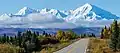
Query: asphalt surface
column 79, row 46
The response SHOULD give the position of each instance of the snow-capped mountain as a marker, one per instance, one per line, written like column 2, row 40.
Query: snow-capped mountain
column 87, row 11
column 57, row 13
column 24, row 12
column 86, row 15
column 91, row 12
column 4, row 17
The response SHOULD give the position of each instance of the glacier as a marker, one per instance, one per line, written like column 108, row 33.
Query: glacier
column 87, row 15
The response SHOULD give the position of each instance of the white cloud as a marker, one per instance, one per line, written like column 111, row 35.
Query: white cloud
column 49, row 21
column 43, row 18
column 35, row 21
column 94, row 23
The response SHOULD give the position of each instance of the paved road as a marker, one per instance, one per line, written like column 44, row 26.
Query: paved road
column 77, row 47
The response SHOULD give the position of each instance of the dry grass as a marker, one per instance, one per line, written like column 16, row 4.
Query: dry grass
column 56, row 47
column 99, row 46
column 6, row 48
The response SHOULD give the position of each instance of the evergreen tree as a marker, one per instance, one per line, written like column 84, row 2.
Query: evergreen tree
column 43, row 33
column 93, row 35
column 118, row 45
column 114, row 36
column 49, row 35
column 37, row 44
column 105, row 33
column 15, row 37
column 4, row 38
column 19, row 38
column 37, row 33
column 46, row 35
column 0, row 39
column 109, row 32
column 84, row 35
column 28, row 34
column 81, row 35
column 102, row 33
column 11, row 39
column 7, row 39
column 34, row 37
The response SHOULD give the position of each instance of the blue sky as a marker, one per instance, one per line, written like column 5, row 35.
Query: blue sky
column 13, row 6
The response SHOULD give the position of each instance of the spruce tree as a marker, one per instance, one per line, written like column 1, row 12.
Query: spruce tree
column 43, row 33
column 105, row 33
column 7, row 38
column 114, row 36
column 4, row 38
column 34, row 37
column 93, row 35
column 118, row 45
column 19, row 38
column 11, row 39
column 37, row 33
column 102, row 36
column 28, row 34
column 0, row 39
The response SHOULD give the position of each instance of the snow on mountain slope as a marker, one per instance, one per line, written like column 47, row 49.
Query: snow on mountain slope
column 4, row 17
column 57, row 13
column 86, row 15
column 25, row 11
column 87, row 12
column 90, row 12
column 103, row 13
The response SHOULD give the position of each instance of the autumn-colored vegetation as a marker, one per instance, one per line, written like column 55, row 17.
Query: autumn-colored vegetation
column 7, row 48
column 97, row 45
column 109, row 41
column 31, row 41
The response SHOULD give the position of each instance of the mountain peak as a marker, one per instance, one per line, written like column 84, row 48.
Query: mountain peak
column 83, row 10
column 26, row 10
column 46, row 9
column 91, row 12
column 4, row 15
column 87, row 4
